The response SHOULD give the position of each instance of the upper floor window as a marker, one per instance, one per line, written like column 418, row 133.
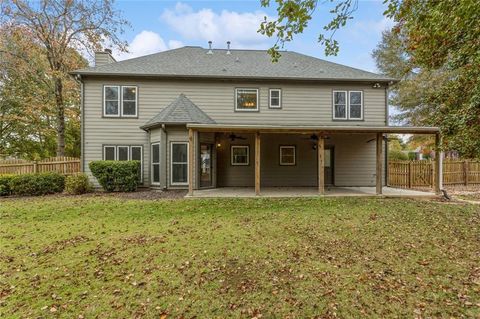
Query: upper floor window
column 347, row 105
column 120, row 101
column 246, row 99
column 275, row 98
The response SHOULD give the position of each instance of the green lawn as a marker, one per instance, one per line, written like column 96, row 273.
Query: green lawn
column 107, row 257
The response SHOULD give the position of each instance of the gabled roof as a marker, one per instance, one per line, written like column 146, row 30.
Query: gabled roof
column 180, row 111
column 196, row 62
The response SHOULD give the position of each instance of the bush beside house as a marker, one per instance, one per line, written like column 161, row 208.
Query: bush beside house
column 78, row 184
column 114, row 176
column 5, row 180
column 36, row 184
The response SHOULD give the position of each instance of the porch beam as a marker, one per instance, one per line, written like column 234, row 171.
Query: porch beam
column 257, row 163
column 438, row 165
column 379, row 164
column 321, row 164
column 190, row 162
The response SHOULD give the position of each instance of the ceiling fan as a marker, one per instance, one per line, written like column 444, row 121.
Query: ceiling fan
column 314, row 138
column 234, row 137
column 384, row 138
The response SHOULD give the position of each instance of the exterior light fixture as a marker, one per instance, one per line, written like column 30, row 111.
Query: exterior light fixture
column 377, row 85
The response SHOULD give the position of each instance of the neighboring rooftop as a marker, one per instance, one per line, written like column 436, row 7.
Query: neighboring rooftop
column 180, row 111
column 187, row 62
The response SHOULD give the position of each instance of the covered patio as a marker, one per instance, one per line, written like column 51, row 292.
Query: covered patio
column 227, row 192
column 258, row 133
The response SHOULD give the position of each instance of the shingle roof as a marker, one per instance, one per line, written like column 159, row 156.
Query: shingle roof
column 180, row 111
column 190, row 62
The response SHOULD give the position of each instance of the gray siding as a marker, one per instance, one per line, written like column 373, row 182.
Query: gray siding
column 302, row 104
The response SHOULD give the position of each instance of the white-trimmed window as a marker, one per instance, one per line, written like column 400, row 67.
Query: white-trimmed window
column 129, row 101
column 287, row 155
column 125, row 153
column 246, row 99
column 120, row 101
column 275, row 98
column 348, row 105
column 340, row 105
column 156, row 163
column 355, row 105
column 111, row 100
column 179, row 163
column 240, row 155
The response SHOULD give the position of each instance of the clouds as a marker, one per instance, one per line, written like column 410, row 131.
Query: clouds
column 205, row 24
column 147, row 42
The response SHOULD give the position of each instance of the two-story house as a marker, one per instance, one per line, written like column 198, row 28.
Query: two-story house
column 206, row 118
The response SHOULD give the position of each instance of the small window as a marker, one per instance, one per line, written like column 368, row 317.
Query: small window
column 246, row 99
column 355, row 102
column 122, row 153
column 240, row 155
column 287, row 155
column 156, row 163
column 340, row 105
column 136, row 155
column 179, row 163
column 109, row 153
column 129, row 101
column 275, row 99
column 111, row 103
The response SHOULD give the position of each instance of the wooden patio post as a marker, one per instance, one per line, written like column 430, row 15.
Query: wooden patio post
column 257, row 163
column 190, row 161
column 321, row 164
column 379, row 164
column 438, row 165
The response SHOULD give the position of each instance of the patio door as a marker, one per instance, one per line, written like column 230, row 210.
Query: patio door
column 328, row 168
column 205, row 165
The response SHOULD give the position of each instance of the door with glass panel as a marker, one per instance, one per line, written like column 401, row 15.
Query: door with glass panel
column 205, row 165
column 328, row 168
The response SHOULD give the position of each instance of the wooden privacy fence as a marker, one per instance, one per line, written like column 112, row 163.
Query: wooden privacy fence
column 61, row 164
column 412, row 174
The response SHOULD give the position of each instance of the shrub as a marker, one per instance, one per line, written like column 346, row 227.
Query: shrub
column 116, row 175
column 397, row 156
column 77, row 184
column 37, row 184
column 5, row 189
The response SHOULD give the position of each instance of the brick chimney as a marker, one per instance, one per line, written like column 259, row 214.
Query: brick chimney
column 104, row 57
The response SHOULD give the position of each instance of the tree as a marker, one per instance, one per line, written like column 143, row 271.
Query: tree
column 59, row 26
column 434, row 50
column 293, row 17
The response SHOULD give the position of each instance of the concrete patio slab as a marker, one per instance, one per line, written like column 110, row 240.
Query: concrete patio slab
column 307, row 192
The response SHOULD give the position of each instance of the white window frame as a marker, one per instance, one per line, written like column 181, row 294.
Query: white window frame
column 114, row 152
column 155, row 163
column 141, row 159
column 247, row 110
column 346, row 105
column 294, row 155
column 119, row 100
column 118, row 152
column 116, row 147
column 171, row 165
column 361, row 106
column 136, row 100
column 231, row 155
column 279, row 106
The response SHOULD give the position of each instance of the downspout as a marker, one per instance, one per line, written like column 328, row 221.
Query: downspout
column 78, row 78
column 386, row 140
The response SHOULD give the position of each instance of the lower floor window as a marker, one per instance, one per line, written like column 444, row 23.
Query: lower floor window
column 240, row 155
column 179, row 163
column 156, row 163
column 287, row 155
column 125, row 153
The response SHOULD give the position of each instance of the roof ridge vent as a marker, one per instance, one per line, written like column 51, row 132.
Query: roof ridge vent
column 228, row 48
column 209, row 48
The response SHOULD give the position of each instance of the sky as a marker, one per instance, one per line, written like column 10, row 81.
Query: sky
column 158, row 25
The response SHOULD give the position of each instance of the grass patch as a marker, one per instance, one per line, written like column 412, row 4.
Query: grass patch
column 350, row 257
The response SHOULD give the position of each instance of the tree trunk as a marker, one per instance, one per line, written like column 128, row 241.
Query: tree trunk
column 60, row 117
